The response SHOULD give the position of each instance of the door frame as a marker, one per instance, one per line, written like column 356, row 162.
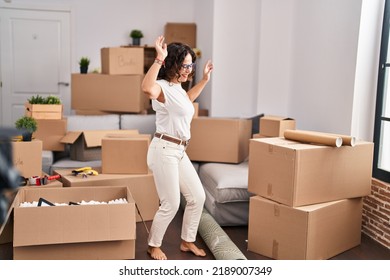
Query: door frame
column 50, row 7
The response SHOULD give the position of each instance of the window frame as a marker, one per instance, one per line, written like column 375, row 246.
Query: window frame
column 384, row 66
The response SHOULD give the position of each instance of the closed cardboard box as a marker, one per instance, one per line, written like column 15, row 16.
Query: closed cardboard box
column 180, row 32
column 142, row 188
column 274, row 126
column 102, row 231
column 297, row 174
column 111, row 93
column 125, row 154
column 50, row 132
column 27, row 157
column 122, row 60
column 219, row 139
column 86, row 145
column 315, row 232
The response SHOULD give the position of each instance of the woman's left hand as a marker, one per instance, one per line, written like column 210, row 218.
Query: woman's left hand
column 208, row 68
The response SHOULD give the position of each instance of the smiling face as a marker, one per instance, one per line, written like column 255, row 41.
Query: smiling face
column 185, row 69
column 179, row 64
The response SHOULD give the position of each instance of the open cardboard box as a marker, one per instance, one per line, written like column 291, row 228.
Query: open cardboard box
column 44, row 111
column 142, row 188
column 102, row 231
column 86, row 145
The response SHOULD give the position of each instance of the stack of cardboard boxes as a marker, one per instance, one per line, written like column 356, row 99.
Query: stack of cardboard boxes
column 51, row 127
column 123, row 163
column 117, row 88
column 87, row 231
column 308, row 198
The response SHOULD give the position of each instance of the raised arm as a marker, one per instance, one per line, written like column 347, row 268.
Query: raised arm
column 149, row 85
column 195, row 91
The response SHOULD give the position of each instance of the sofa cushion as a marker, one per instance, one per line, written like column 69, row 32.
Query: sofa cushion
column 145, row 124
column 226, row 182
column 227, row 214
column 47, row 160
column 93, row 122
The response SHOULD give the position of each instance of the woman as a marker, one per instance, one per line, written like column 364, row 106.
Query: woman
column 172, row 169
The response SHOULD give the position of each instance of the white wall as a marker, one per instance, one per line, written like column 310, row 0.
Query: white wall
column 107, row 23
column 275, row 57
column 330, row 52
column 204, row 18
column 363, row 112
column 235, row 55
column 311, row 60
column 324, row 64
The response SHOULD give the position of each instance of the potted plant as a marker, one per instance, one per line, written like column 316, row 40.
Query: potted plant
column 84, row 63
column 28, row 126
column 136, row 35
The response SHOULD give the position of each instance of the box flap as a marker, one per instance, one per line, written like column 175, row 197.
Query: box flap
column 6, row 229
column 128, row 136
column 93, row 138
column 70, row 137
column 276, row 118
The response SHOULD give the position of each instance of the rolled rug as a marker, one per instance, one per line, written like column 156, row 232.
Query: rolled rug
column 313, row 137
column 219, row 243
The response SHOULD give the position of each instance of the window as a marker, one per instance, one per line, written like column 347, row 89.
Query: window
column 381, row 166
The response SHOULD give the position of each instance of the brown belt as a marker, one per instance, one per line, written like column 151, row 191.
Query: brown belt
column 172, row 139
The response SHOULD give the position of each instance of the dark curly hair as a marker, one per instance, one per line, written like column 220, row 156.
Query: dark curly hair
column 172, row 64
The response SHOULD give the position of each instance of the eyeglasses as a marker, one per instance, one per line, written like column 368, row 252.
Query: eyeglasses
column 188, row 66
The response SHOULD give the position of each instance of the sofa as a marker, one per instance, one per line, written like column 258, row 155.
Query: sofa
column 225, row 184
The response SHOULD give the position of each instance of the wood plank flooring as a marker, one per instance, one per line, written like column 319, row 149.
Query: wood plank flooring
column 367, row 250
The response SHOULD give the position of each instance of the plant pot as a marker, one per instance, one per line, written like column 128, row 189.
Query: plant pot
column 136, row 41
column 83, row 69
column 27, row 136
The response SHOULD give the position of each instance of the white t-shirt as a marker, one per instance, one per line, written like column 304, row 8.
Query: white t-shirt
column 174, row 116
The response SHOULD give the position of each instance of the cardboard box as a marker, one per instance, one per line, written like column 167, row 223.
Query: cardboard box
column 314, row 232
column 274, row 126
column 258, row 135
column 149, row 57
column 27, row 157
column 50, row 132
column 196, row 107
column 297, row 174
column 103, row 231
column 112, row 93
column 86, row 145
column 122, row 60
column 125, row 154
column 44, row 111
column 219, row 139
column 180, row 32
column 142, row 187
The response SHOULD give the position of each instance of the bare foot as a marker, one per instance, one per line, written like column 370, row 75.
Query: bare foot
column 156, row 253
column 191, row 247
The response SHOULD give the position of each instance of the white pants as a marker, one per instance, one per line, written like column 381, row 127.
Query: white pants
column 173, row 174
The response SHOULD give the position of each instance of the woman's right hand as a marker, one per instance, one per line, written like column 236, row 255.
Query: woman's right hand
column 161, row 48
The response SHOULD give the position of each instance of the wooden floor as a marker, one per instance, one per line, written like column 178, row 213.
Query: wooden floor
column 367, row 250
